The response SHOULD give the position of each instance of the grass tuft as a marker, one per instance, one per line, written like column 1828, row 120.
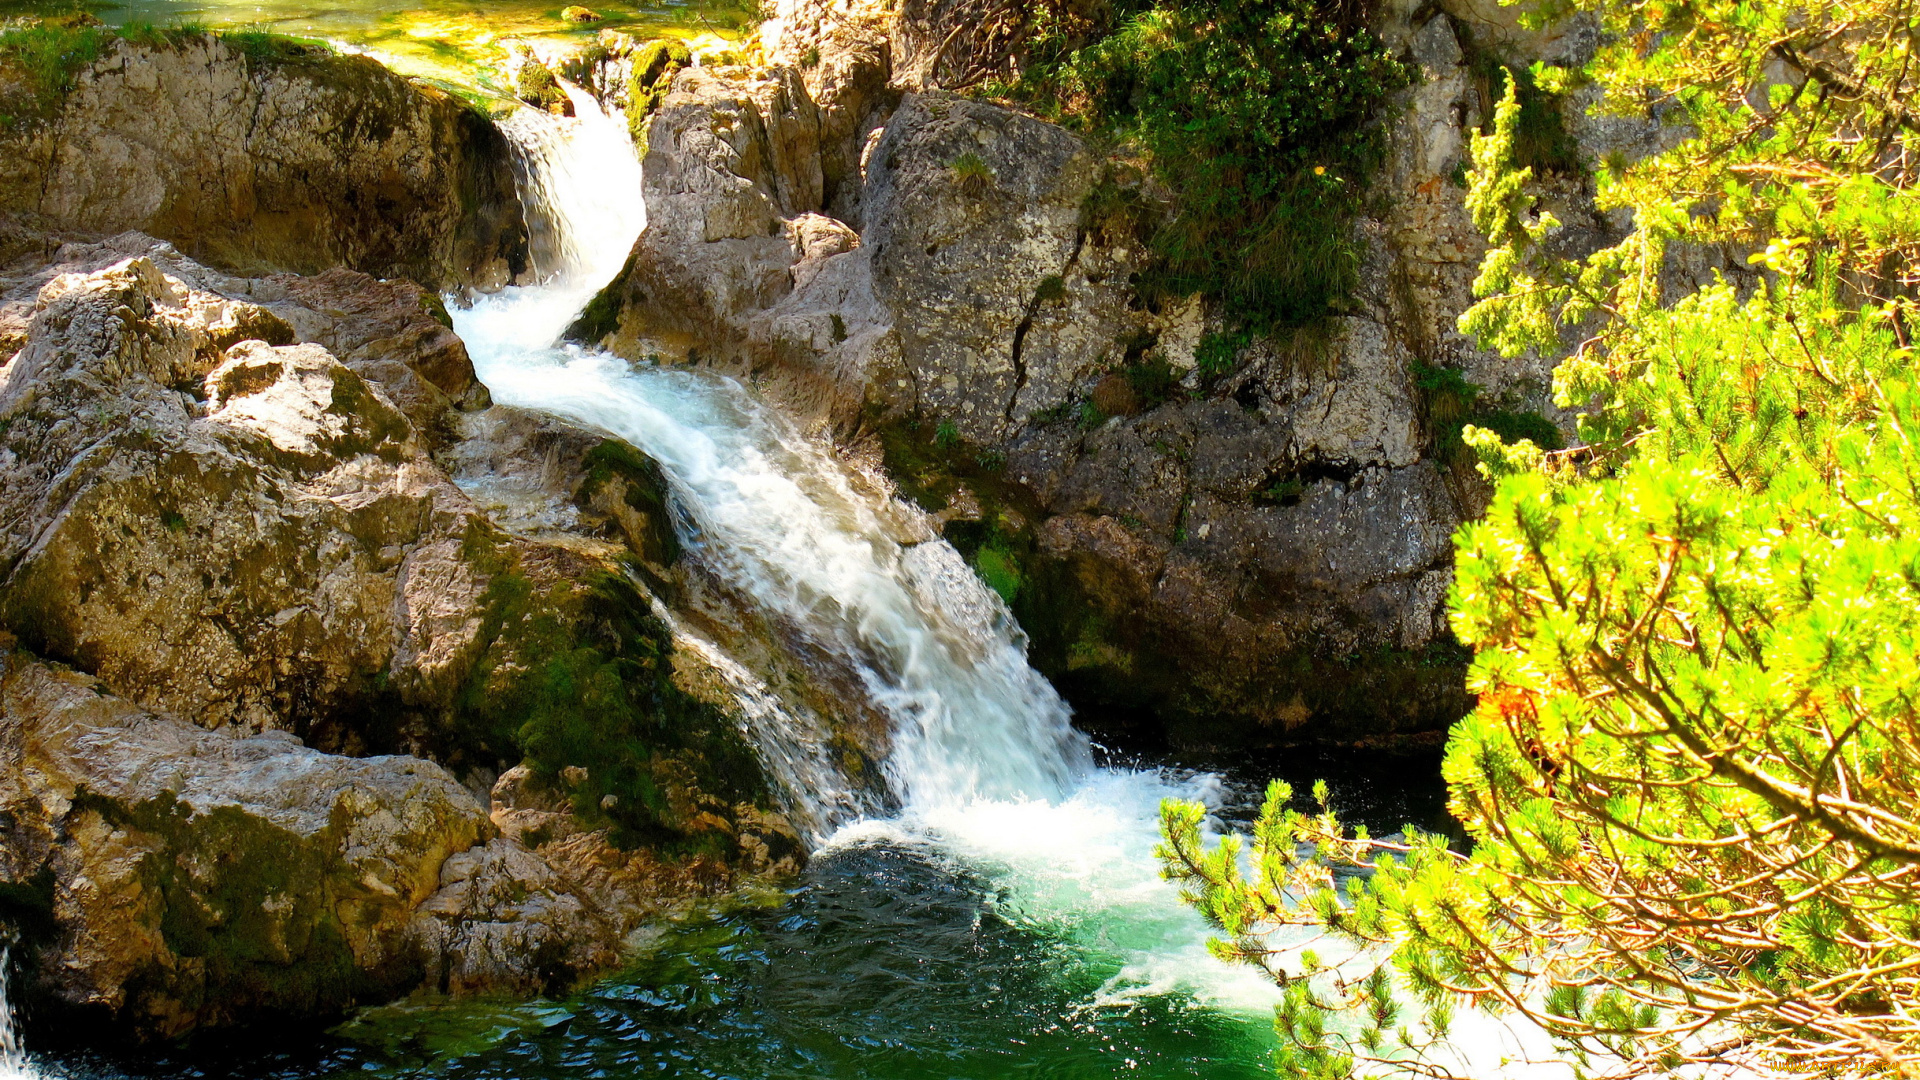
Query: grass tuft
column 971, row 174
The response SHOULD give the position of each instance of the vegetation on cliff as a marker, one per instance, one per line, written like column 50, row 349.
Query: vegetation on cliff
column 1253, row 112
column 1690, row 780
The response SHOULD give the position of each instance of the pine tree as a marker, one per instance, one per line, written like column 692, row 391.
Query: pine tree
column 1692, row 781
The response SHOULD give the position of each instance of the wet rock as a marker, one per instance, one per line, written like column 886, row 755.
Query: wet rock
column 296, row 161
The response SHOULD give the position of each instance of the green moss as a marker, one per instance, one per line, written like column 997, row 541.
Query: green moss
column 999, row 567
column 536, row 85
column 243, row 896
column 578, row 672
column 931, row 467
column 654, row 66
column 1052, row 289
column 644, row 488
column 601, row 316
column 435, row 307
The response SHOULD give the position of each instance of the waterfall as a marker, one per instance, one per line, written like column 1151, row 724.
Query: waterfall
column 983, row 764
column 773, row 513
column 14, row 1064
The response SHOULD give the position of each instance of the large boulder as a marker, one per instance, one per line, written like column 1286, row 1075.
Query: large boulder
column 1218, row 539
column 275, row 158
column 254, row 534
column 223, row 529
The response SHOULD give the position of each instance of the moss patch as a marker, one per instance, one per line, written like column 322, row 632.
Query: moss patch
column 654, row 66
column 601, row 316
column 642, row 487
column 577, row 673
column 254, row 904
column 931, row 466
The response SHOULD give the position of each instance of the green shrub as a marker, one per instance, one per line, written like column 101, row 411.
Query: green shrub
column 1540, row 138
column 1450, row 404
column 1255, row 113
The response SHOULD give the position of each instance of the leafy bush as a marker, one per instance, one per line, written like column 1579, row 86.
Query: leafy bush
column 1452, row 405
column 1255, row 113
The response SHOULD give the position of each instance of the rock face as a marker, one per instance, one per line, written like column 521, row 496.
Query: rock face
column 169, row 877
column 289, row 160
column 226, row 533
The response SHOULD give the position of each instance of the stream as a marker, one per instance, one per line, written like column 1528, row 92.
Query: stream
column 1002, row 915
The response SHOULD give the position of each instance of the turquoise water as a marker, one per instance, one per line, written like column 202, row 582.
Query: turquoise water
column 888, row 960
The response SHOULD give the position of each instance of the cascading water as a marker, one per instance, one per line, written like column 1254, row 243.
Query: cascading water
column 14, row 1063
column 770, row 511
column 984, row 762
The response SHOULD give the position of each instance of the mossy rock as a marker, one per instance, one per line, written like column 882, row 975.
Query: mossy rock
column 654, row 66
column 577, row 674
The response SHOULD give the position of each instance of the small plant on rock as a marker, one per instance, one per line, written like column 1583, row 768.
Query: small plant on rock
column 971, row 174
